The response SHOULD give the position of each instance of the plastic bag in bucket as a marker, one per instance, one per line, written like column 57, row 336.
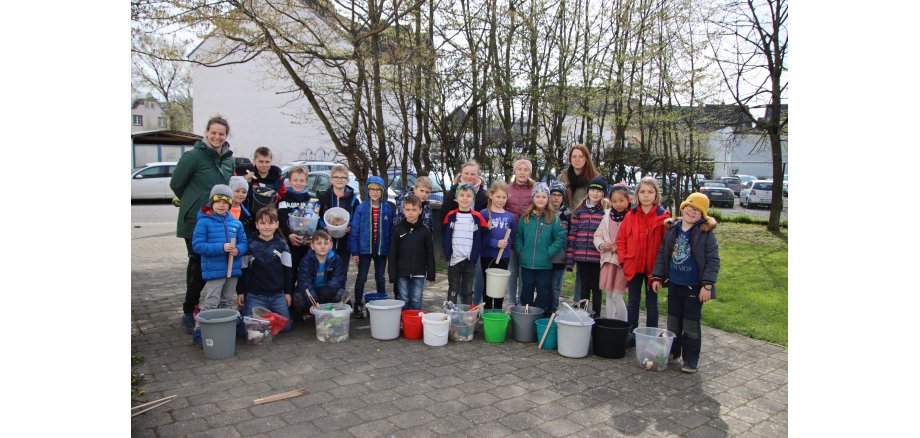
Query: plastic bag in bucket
column 258, row 331
column 462, row 321
column 331, row 322
column 336, row 220
column 303, row 226
column 278, row 322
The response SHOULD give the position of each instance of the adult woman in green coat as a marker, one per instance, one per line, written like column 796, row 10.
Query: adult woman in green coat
column 210, row 162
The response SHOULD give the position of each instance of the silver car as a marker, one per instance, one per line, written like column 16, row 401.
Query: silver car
column 152, row 181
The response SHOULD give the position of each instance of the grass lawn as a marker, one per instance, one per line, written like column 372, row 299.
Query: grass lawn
column 752, row 291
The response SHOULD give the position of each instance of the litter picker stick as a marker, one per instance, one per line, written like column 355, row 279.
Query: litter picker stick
column 501, row 250
column 282, row 396
column 152, row 405
column 546, row 331
column 230, row 260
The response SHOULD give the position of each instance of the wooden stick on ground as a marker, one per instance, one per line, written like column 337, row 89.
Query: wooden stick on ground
column 230, row 260
column 152, row 405
column 282, row 396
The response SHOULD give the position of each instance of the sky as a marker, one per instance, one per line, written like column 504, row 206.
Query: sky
column 851, row 294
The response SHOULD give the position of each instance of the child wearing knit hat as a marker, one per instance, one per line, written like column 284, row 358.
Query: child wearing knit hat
column 557, row 201
column 689, row 259
column 212, row 240
column 537, row 238
column 240, row 189
column 580, row 249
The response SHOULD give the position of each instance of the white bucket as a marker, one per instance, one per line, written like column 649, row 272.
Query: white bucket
column 573, row 334
column 336, row 231
column 385, row 316
column 435, row 328
column 497, row 282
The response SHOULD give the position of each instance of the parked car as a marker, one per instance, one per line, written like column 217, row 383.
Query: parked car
column 312, row 166
column 396, row 184
column 718, row 193
column 733, row 183
column 760, row 193
column 152, row 181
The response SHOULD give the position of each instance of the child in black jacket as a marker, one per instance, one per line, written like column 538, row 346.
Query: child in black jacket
column 411, row 258
column 266, row 279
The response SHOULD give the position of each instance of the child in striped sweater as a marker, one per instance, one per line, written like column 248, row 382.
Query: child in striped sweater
column 585, row 220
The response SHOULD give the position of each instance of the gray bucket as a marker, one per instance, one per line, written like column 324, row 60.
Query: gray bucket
column 218, row 332
column 385, row 316
column 574, row 333
column 522, row 323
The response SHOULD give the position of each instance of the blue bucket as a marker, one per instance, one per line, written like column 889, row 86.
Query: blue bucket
column 550, row 342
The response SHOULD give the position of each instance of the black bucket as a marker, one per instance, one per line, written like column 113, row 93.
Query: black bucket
column 609, row 338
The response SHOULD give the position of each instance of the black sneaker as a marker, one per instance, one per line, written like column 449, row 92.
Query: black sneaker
column 359, row 311
column 688, row 367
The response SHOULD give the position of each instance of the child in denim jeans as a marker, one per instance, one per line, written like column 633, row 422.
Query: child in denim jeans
column 266, row 279
column 371, row 227
column 411, row 258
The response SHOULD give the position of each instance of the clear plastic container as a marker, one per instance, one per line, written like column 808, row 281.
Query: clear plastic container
column 331, row 322
column 653, row 346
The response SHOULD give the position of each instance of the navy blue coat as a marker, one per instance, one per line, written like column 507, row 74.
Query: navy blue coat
column 335, row 272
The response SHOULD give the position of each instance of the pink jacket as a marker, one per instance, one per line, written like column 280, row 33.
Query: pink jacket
column 607, row 233
column 519, row 198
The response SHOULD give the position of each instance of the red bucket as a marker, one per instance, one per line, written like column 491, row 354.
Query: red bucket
column 412, row 324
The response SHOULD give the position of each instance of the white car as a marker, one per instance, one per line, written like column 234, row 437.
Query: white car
column 152, row 181
column 759, row 193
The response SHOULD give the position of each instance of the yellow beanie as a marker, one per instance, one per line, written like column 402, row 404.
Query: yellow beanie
column 698, row 201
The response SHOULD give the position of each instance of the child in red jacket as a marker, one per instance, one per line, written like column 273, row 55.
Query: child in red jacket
column 638, row 239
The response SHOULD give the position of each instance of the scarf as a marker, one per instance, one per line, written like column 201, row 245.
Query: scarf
column 618, row 216
column 575, row 181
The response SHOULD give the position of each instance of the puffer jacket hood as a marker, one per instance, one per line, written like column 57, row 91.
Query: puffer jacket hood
column 375, row 180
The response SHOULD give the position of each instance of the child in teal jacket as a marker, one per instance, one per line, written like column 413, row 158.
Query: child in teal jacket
column 538, row 237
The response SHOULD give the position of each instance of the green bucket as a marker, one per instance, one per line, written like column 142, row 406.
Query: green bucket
column 495, row 326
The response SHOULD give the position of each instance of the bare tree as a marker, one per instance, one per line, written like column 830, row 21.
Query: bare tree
column 750, row 42
column 171, row 81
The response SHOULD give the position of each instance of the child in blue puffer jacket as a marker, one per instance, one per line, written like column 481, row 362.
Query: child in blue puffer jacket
column 369, row 241
column 212, row 241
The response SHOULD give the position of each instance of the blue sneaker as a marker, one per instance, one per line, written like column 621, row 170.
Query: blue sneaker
column 688, row 367
column 196, row 337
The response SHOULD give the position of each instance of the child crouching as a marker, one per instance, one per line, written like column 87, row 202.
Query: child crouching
column 322, row 272
column 266, row 279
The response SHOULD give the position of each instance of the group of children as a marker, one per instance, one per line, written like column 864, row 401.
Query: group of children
column 616, row 245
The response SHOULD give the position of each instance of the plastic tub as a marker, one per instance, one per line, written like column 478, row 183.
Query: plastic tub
column 609, row 338
column 303, row 225
column 495, row 326
column 522, row 319
column 436, row 326
column 497, row 282
column 412, row 324
column 331, row 321
column 462, row 323
column 385, row 315
column 574, row 334
column 550, row 342
column 653, row 346
column 336, row 220
column 218, row 332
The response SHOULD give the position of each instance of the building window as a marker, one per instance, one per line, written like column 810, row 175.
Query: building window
column 161, row 122
column 137, row 120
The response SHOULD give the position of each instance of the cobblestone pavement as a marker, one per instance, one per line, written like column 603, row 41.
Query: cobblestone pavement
column 364, row 387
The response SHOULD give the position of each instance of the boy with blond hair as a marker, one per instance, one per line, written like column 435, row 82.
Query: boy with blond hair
column 341, row 195
column 422, row 190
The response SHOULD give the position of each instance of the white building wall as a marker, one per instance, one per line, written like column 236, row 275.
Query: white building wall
column 258, row 111
column 745, row 154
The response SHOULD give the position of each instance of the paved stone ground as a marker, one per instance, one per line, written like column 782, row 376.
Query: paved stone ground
column 364, row 387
